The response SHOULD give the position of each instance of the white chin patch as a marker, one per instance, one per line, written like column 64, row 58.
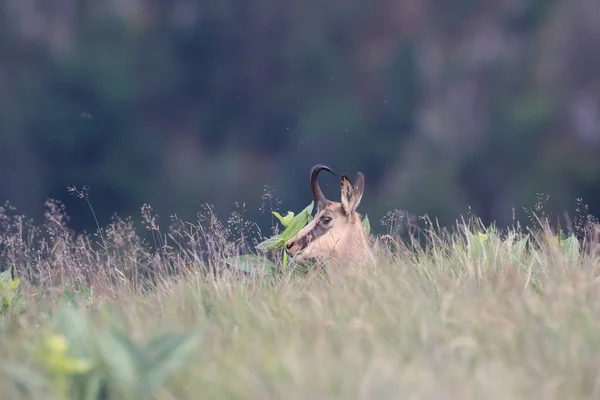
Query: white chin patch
column 301, row 256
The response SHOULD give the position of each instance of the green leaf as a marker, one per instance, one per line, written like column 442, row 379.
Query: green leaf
column 76, row 328
column 252, row 263
column 119, row 365
column 285, row 260
column 5, row 276
column 562, row 236
column 24, row 377
column 171, row 352
column 285, row 221
column 69, row 296
column 521, row 245
column 298, row 222
column 17, row 304
column 272, row 243
column 571, row 246
column 88, row 388
column 366, row 223
column 293, row 224
column 9, row 279
column 87, row 293
column 137, row 354
column 14, row 284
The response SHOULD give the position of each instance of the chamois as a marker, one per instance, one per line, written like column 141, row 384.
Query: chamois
column 336, row 233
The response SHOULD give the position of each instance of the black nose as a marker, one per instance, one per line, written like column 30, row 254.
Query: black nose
column 289, row 245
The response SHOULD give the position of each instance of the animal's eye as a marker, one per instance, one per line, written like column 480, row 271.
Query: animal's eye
column 325, row 219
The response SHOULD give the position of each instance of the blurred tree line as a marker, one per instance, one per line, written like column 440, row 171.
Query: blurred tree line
column 442, row 104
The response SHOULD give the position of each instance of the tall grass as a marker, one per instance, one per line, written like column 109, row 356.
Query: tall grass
column 469, row 313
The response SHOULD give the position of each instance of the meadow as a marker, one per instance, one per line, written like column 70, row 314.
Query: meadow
column 471, row 312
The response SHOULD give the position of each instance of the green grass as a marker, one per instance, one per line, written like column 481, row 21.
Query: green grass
column 471, row 315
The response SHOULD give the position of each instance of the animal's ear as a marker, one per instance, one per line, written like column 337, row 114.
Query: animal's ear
column 359, row 188
column 347, row 195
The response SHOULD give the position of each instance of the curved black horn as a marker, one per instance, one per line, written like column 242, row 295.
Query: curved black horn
column 314, row 184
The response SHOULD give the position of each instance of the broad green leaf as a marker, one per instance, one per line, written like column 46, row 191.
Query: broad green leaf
column 89, row 387
column 171, row 352
column 137, row 354
column 162, row 346
column 69, row 296
column 87, row 293
column 5, row 276
column 24, row 377
column 298, row 222
column 366, row 223
column 64, row 365
column 17, row 304
column 252, row 263
column 272, row 243
column 76, row 329
column 293, row 224
column 571, row 246
column 14, row 284
column 75, row 297
column 119, row 365
column 285, row 221
column 6, row 302
column 562, row 236
column 521, row 245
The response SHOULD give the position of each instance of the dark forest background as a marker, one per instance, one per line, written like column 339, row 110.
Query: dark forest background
column 444, row 105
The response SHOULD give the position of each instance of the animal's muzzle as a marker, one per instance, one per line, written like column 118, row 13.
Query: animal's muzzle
column 291, row 248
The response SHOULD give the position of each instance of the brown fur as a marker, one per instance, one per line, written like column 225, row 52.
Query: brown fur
column 336, row 232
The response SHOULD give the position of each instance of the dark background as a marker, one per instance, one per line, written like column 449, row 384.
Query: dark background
column 444, row 105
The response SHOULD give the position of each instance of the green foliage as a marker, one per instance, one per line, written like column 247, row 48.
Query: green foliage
column 12, row 300
column 495, row 303
column 366, row 223
column 82, row 296
column 482, row 244
column 568, row 245
column 292, row 224
column 252, row 263
column 77, row 360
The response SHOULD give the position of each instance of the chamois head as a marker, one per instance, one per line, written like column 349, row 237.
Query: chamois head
column 336, row 232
